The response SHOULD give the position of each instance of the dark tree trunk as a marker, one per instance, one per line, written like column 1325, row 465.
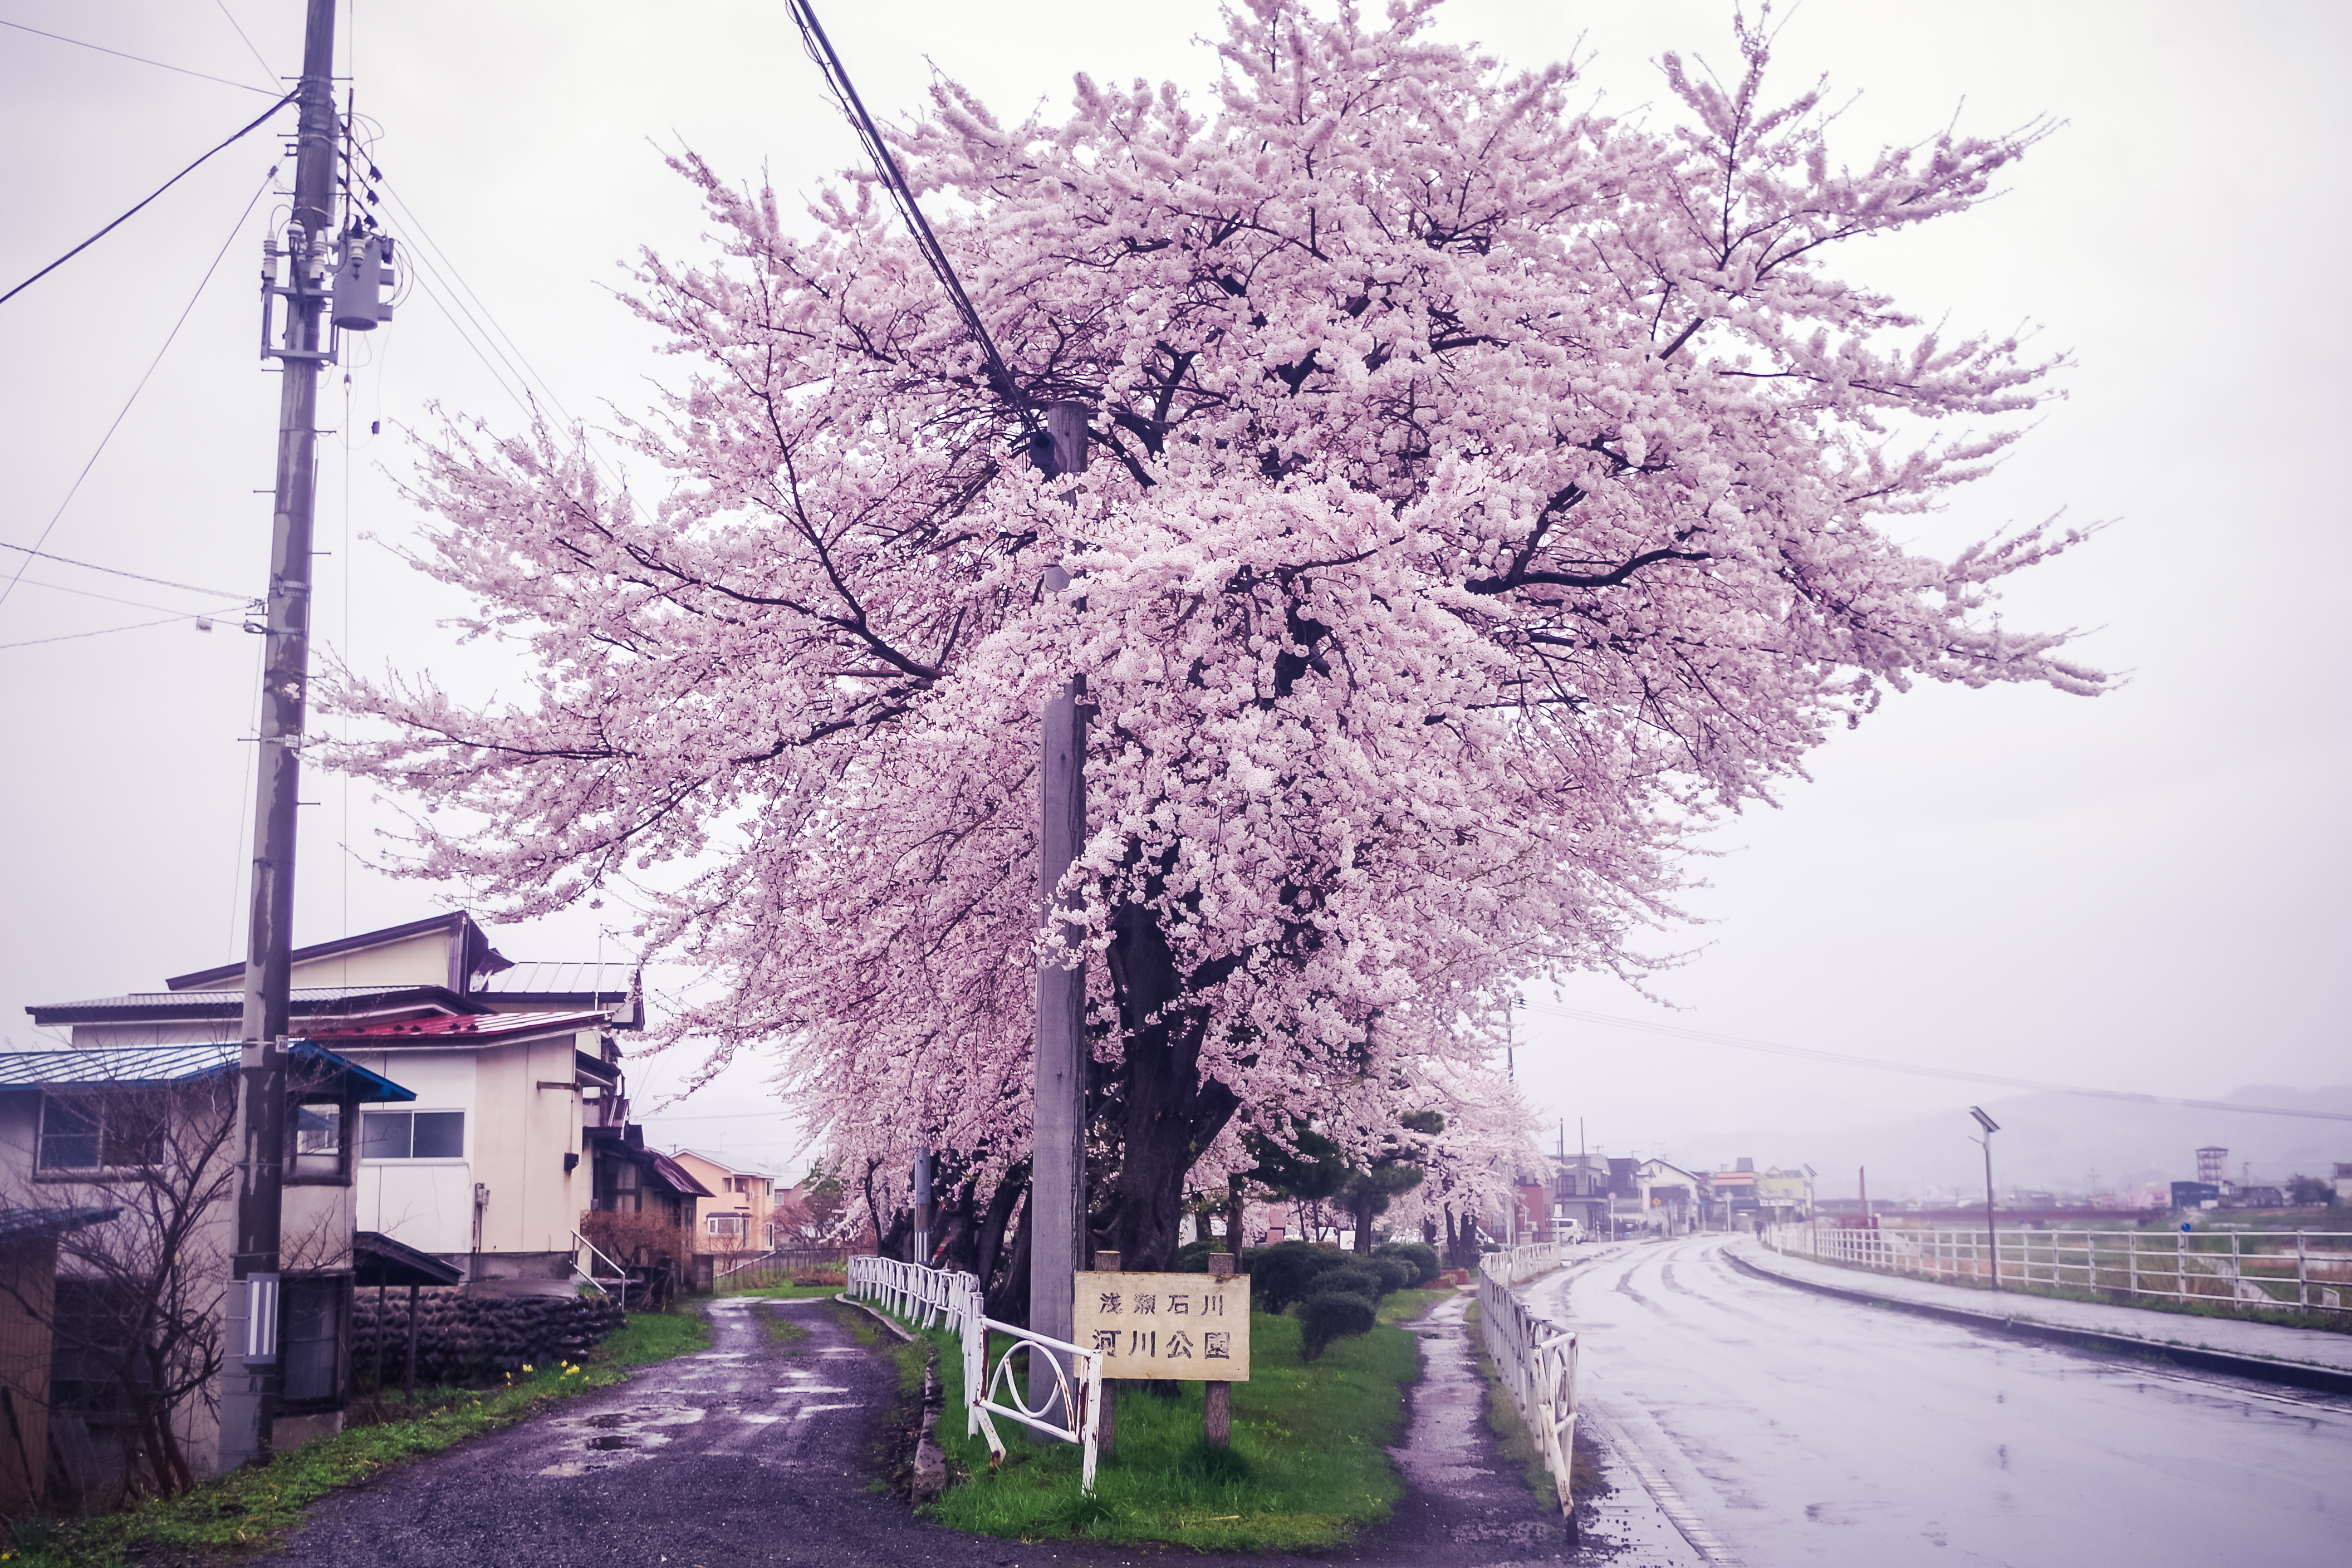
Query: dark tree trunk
column 1360, row 1213
column 899, row 1242
column 1428, row 1232
column 1166, row 1114
column 1009, row 1302
column 990, row 1250
column 1236, row 1214
column 963, row 1231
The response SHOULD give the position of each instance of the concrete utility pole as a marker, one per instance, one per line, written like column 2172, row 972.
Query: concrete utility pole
column 251, row 1376
column 1058, row 1189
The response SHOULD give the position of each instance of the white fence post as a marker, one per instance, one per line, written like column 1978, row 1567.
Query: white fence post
column 926, row 1296
column 1535, row 1358
column 2258, row 1270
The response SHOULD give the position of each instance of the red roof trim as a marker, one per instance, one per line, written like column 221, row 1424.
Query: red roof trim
column 469, row 1026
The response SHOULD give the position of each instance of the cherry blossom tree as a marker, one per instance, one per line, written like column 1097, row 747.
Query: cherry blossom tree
column 1487, row 496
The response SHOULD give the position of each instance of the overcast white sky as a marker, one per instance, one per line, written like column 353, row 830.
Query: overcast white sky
column 2145, row 891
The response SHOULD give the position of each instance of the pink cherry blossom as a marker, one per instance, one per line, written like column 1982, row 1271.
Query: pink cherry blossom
column 1487, row 496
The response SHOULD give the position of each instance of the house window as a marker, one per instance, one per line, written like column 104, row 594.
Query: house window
column 730, row 1225
column 97, row 1132
column 413, row 1135
column 314, row 1142
column 311, row 1338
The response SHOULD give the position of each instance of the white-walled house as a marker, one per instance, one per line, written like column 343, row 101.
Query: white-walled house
column 514, row 1066
column 134, row 1144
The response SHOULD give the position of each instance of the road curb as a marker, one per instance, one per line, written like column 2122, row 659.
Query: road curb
column 887, row 1321
column 930, row 1460
column 2296, row 1374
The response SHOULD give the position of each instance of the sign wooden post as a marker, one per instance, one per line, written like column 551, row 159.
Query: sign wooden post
column 1219, row 1428
column 1107, row 1424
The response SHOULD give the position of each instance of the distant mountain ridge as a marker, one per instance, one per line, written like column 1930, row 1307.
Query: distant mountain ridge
column 2054, row 1141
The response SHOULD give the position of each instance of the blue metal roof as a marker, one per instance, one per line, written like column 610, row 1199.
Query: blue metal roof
column 16, row 1225
column 183, row 1063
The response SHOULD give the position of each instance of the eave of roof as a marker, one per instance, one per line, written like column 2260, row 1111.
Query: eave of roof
column 22, row 1225
column 454, row 921
column 676, row 1174
column 310, row 1003
column 378, row 1259
column 457, row 1030
column 139, row 1066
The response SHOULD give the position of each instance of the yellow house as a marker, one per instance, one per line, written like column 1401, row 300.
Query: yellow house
column 739, row 1214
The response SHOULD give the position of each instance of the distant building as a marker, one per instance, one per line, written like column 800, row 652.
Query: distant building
column 2259, row 1198
column 1784, row 1194
column 2343, row 1183
column 1670, row 1199
column 2195, row 1194
column 737, row 1216
column 1735, row 1193
column 1580, row 1191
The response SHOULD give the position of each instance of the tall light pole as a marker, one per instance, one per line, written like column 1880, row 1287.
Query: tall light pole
column 1992, row 1236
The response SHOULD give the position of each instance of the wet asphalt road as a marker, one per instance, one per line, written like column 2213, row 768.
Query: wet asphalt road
column 1799, row 1429
column 760, row 1453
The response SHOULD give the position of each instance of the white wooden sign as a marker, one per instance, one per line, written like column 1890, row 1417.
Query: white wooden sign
column 1186, row 1328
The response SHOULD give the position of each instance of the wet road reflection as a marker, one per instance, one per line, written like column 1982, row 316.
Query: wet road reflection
column 1799, row 1429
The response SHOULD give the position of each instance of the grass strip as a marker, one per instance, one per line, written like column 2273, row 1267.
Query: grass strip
column 1308, row 1466
column 254, row 1508
column 1516, row 1442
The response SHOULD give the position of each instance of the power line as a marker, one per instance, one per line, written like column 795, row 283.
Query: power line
column 119, row 572
column 102, row 631
column 438, row 261
column 1808, row 1053
column 135, row 603
column 135, row 391
column 902, row 197
column 143, row 59
column 158, row 190
column 247, row 42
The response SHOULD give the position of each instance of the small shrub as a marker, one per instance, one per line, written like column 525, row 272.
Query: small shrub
column 1330, row 1315
column 1280, row 1275
column 1395, row 1272
column 1417, row 1256
column 1354, row 1280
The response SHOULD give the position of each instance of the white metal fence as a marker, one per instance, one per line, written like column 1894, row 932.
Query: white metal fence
column 1535, row 1357
column 930, row 1297
column 2308, row 1270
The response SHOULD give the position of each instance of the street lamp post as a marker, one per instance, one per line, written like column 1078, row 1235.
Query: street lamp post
column 1992, row 1236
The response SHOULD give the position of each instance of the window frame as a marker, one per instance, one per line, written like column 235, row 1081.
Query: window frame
column 411, row 1113
column 347, row 1132
column 96, row 1099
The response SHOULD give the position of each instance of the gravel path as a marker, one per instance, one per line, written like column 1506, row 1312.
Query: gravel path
column 756, row 1452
